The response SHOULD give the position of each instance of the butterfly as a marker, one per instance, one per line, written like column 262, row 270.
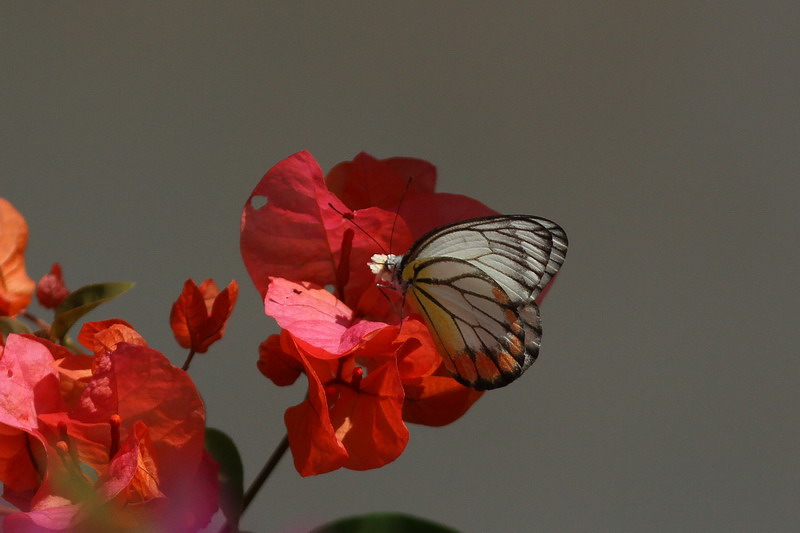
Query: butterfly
column 474, row 283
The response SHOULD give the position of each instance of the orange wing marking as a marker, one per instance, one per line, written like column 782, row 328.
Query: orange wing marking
column 507, row 364
column 465, row 367
column 487, row 369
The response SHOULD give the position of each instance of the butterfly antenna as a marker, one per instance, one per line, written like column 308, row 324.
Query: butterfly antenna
column 349, row 217
column 397, row 213
column 393, row 304
column 402, row 309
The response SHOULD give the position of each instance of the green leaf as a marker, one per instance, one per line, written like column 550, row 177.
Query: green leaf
column 83, row 300
column 231, row 475
column 12, row 325
column 383, row 523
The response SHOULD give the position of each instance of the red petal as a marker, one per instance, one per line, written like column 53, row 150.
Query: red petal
column 125, row 465
column 417, row 354
column 277, row 363
column 315, row 448
column 104, row 335
column 139, row 383
column 436, row 400
column 18, row 472
column 369, row 182
column 289, row 235
column 297, row 235
column 199, row 316
column 220, row 312
column 424, row 212
column 188, row 315
column 369, row 422
column 209, row 291
column 16, row 288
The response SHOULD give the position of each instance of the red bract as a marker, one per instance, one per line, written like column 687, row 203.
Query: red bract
column 349, row 419
column 367, row 373
column 104, row 443
column 103, row 336
column 16, row 288
column 200, row 314
column 51, row 290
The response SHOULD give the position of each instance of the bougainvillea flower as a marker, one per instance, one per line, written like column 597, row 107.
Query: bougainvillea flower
column 312, row 233
column 16, row 288
column 200, row 314
column 124, row 451
column 51, row 290
column 349, row 419
column 104, row 335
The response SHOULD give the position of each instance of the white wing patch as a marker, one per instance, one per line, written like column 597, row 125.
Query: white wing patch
column 522, row 252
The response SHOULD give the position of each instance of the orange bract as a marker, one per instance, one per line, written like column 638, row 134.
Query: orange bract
column 16, row 288
column 103, row 336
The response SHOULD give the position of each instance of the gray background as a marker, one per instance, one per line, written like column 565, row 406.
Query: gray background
column 662, row 136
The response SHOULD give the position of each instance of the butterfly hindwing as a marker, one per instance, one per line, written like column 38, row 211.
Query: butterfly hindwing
column 486, row 340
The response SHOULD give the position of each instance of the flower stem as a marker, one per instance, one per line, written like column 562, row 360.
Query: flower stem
column 188, row 361
column 36, row 320
column 262, row 476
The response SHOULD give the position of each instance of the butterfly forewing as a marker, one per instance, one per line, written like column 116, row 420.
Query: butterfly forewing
column 474, row 283
column 520, row 250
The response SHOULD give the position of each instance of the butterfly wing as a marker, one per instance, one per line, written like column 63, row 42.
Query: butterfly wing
column 485, row 339
column 523, row 252
column 474, row 283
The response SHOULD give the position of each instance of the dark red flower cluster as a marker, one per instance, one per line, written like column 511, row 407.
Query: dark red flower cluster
column 370, row 367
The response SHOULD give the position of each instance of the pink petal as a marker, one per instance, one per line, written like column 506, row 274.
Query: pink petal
column 53, row 519
column 30, row 382
column 316, row 318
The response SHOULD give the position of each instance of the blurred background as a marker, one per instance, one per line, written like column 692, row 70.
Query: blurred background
column 662, row 136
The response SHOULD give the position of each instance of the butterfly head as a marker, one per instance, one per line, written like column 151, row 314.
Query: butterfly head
column 384, row 266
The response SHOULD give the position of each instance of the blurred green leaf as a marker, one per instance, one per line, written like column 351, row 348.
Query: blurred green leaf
column 83, row 300
column 231, row 475
column 12, row 325
column 383, row 523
